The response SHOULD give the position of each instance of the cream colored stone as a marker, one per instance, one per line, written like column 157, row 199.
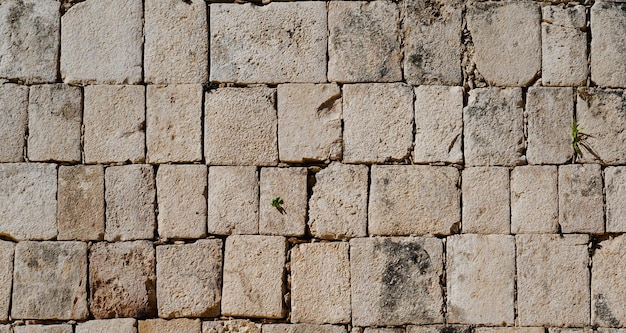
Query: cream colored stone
column 122, row 325
column 290, row 185
column 6, row 277
column 615, row 190
column 569, row 330
column 302, row 328
column 13, row 121
column 232, row 325
column 80, row 211
column 182, row 325
column 383, row 330
column 608, row 282
column 581, row 202
column 534, row 200
column 233, row 200
column 62, row 328
column 509, row 330
column 441, row 329
column 486, row 214
column 608, row 26
column 5, row 328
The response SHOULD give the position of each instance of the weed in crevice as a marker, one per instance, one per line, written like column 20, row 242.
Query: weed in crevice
column 579, row 140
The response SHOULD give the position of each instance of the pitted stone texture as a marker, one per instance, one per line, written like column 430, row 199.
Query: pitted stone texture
column 608, row 284
column 122, row 280
column 54, row 123
column 581, row 206
column 302, row 328
column 254, row 276
column 606, row 329
column 413, row 200
column 338, row 205
column 13, row 121
column 30, row 43
column 62, row 328
column 364, row 41
column 320, row 283
column 494, row 127
column 395, row 281
column 181, row 198
column 378, row 121
column 480, row 271
column 28, row 201
column 102, row 42
column 189, row 279
column 232, row 325
column 176, row 43
column 507, row 41
column 50, row 281
column 438, row 124
column 534, row 199
column 564, row 46
column 233, row 200
column 509, row 330
column 290, row 185
column 6, row 277
column 240, row 126
column 608, row 26
column 440, row 329
column 552, row 280
column 550, row 112
column 174, row 123
column 615, row 190
column 181, row 325
column 432, row 41
column 309, row 122
column 383, row 330
column 122, row 325
column 486, row 214
column 114, row 120
column 80, row 212
column 288, row 42
column 5, row 329
column 130, row 196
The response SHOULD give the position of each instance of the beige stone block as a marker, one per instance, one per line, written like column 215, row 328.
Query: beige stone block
column 232, row 325
column 62, row 328
column 290, row 185
column 413, row 200
column 569, row 330
column 552, row 280
column 309, row 122
column 13, row 121
column 114, row 120
column 121, row 325
column 182, row 325
column 6, row 277
column 615, row 191
column 606, row 329
column 5, row 329
column 481, row 213
column 581, row 202
column 302, row 328
column 441, row 329
column 608, row 283
column 438, row 124
column 509, row 330
column 534, row 199
column 383, row 330
column 338, row 204
column 233, row 200
column 80, row 211
column 181, row 199
column 378, row 121
column 102, row 42
column 28, row 201
column 244, row 137
column 254, row 276
column 608, row 28
column 130, row 198
column 189, row 279
column 494, row 127
column 122, row 281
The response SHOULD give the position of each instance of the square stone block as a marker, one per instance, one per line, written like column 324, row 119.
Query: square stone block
column 486, row 214
column 534, row 199
column 581, row 202
column 290, row 185
column 608, row 28
column 122, row 325
column 80, row 211
column 43, row 329
column 181, row 325
column 13, row 121
column 233, row 200
column 615, row 190
column 232, row 325
column 6, row 277
column 302, row 328
column 608, row 283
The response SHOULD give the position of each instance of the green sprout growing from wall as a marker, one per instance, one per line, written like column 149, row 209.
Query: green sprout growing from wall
column 277, row 203
column 579, row 140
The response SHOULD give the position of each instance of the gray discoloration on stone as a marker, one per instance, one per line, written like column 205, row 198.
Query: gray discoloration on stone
column 43, row 329
column 6, row 277
column 486, row 214
column 302, row 328
column 233, row 200
column 615, row 190
column 608, row 45
column 534, row 199
column 608, row 284
column 80, row 212
column 13, row 122
column 122, row 325
column 581, row 206
column 290, row 185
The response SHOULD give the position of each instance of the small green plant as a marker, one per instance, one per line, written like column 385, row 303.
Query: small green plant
column 579, row 139
column 277, row 203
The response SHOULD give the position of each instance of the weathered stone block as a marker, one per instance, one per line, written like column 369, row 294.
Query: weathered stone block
column 569, row 330
column 80, row 212
column 615, row 190
column 534, row 199
column 254, row 276
column 383, row 330
column 338, row 205
column 233, row 200
column 441, row 329
column 290, row 185
column 581, row 202
column 486, row 214
column 5, row 329
column 509, row 330
column 302, row 328
column 62, row 328
column 185, row 325
column 122, row 325
column 608, row 283
column 608, row 26
column 13, row 122
column 6, row 277
column 232, row 325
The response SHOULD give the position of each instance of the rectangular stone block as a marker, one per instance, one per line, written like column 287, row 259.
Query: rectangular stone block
column 121, row 325
column 581, row 202
column 383, row 330
column 569, row 330
column 13, row 121
column 289, row 187
column 181, row 325
column 442, row 329
column 254, row 276
column 80, row 211
column 608, row 283
column 534, row 200
column 486, row 214
column 233, row 200
column 43, row 329
column 302, row 328
column 232, row 325
column 7, row 250
column 608, row 28
column 510, row 330
column 615, row 191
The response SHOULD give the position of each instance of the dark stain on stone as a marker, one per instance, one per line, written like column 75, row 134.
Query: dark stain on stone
column 603, row 312
column 456, row 329
column 328, row 104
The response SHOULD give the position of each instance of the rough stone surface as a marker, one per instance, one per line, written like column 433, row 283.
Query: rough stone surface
column 254, row 276
column 486, row 214
column 102, row 42
column 338, row 205
column 122, row 325
column 5, row 329
column 534, row 199
column 181, row 325
column 189, row 278
column 441, row 329
column 232, row 325
column 80, row 211
column 615, row 190
column 581, row 205
column 383, row 330
column 552, row 280
column 302, row 328
column 509, row 330
column 378, row 121
column 6, row 277
column 233, row 200
column 608, row 282
column 309, row 122
column 413, row 200
column 43, row 329
column 290, row 185
column 122, row 280
column 13, row 122
column 608, row 26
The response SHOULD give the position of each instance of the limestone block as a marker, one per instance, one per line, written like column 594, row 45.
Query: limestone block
column 189, row 279
column 5, row 329
column 130, row 196
column 6, row 277
column 30, row 44
column 28, row 201
column 114, row 120
column 320, row 283
column 581, row 203
column 534, row 199
column 338, row 205
column 509, row 330
column 378, row 121
column 441, row 329
column 608, row 282
column 309, row 122
column 395, row 281
column 608, row 26
column 181, row 325
column 80, row 212
column 564, row 46
column 240, row 126
column 176, row 43
column 486, row 214
column 432, row 42
column 121, row 325
column 102, row 42
column 275, row 43
column 615, row 190
column 232, row 325
column 181, row 198
column 494, row 127
column 254, row 275
column 552, row 280
column 480, row 271
column 122, row 281
column 569, row 330
column 364, row 41
column 302, row 328
column 383, row 330
column 54, row 123
column 290, row 185
column 62, row 328
column 550, row 112
column 13, row 121
column 50, row 281
column 438, row 124
column 413, row 200
column 606, row 329
column 507, row 41
column 233, row 200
